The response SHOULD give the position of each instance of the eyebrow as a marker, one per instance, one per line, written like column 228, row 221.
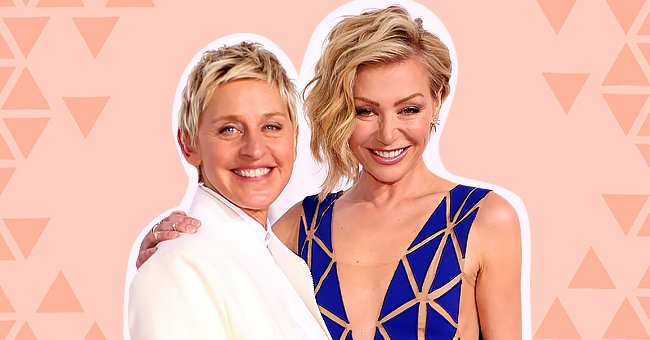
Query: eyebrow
column 372, row 102
column 236, row 117
column 408, row 98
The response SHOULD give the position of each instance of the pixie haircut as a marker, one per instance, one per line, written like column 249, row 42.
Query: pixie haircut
column 374, row 37
column 245, row 60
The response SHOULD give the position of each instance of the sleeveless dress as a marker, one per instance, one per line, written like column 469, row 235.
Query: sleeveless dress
column 436, row 250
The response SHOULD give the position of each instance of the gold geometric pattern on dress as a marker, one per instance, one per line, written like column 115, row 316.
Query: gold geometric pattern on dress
column 310, row 238
column 422, row 296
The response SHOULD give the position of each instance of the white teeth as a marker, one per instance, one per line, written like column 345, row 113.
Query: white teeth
column 252, row 172
column 388, row 154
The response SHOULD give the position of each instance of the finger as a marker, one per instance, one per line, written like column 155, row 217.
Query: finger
column 162, row 233
column 184, row 225
column 148, row 241
column 175, row 216
column 166, row 235
column 143, row 256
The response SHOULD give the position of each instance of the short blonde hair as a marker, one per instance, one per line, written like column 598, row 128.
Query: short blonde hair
column 374, row 37
column 245, row 60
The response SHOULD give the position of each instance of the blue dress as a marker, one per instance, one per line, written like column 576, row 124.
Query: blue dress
column 445, row 232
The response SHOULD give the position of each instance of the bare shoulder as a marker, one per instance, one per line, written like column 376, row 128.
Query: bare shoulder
column 496, row 231
column 286, row 227
column 497, row 216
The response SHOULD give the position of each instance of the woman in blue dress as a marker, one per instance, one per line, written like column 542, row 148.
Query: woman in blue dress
column 403, row 253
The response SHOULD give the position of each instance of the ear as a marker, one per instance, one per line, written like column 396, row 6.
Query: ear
column 436, row 108
column 438, row 104
column 191, row 155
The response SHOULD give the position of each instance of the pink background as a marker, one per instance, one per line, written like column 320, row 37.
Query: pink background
column 551, row 104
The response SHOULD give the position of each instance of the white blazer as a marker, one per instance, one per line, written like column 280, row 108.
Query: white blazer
column 224, row 282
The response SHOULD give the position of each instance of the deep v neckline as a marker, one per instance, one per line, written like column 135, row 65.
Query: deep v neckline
column 413, row 241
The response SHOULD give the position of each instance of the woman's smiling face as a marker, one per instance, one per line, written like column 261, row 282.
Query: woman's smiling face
column 395, row 113
column 246, row 144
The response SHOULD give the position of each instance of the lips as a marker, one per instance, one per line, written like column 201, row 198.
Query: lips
column 252, row 173
column 388, row 157
column 388, row 154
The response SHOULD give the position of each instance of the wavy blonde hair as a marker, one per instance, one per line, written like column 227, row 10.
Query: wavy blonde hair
column 374, row 37
column 245, row 60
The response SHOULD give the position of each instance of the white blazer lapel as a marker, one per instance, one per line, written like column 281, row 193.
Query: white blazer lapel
column 296, row 270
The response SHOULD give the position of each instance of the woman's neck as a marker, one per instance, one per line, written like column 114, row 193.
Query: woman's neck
column 417, row 182
column 260, row 216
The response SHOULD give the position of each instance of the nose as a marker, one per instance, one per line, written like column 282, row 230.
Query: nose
column 386, row 129
column 253, row 146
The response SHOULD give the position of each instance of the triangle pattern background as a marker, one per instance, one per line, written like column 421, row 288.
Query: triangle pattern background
column 645, row 27
column 645, row 281
column 645, row 50
column 625, row 208
column 5, row 305
column 60, row 298
column 85, row 111
column 626, row 324
column 5, row 252
column 645, row 128
column 626, row 70
column 5, row 73
column 26, row 132
column 5, row 176
column 566, row 87
column 645, row 304
column 95, row 31
column 625, row 11
column 5, row 153
column 26, row 31
column 644, row 149
column 556, row 11
column 130, row 3
column 5, row 51
column 95, row 333
column 26, row 232
column 557, row 324
column 591, row 274
column 625, row 107
column 60, row 3
column 645, row 227
column 5, row 328
column 25, row 333
column 25, row 95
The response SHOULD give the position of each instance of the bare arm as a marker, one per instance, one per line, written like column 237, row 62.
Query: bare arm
column 498, row 285
column 286, row 227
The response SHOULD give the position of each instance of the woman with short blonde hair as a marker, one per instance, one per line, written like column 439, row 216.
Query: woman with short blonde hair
column 233, row 279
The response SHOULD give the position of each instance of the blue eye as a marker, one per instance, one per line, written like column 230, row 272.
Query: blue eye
column 228, row 130
column 272, row 127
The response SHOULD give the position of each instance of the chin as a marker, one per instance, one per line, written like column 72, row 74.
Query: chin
column 256, row 204
column 387, row 177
